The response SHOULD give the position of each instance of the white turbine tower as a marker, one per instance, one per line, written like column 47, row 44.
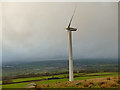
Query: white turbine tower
column 69, row 32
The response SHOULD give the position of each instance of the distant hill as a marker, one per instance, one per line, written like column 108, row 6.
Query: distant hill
column 16, row 68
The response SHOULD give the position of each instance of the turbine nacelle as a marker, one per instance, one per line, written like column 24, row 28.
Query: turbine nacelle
column 71, row 29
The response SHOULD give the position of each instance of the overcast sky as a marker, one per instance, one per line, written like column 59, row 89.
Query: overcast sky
column 36, row 31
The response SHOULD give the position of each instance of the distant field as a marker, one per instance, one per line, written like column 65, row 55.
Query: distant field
column 85, row 77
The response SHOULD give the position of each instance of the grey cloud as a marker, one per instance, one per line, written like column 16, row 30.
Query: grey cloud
column 36, row 30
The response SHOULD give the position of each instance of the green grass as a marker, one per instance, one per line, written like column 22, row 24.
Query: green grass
column 37, row 78
column 43, row 77
column 32, row 78
column 78, row 78
column 21, row 85
column 62, row 75
column 90, row 77
column 99, row 73
column 17, row 85
column 0, row 82
column 51, row 81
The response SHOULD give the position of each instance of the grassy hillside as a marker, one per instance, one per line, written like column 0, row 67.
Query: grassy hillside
column 43, row 73
column 109, row 82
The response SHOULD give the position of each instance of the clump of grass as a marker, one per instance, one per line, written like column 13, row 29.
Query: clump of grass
column 101, row 83
column 104, row 86
column 41, row 86
column 114, row 77
column 91, row 83
column 108, row 78
column 85, row 84
column 90, row 86
column 47, row 85
column 110, row 82
column 118, row 81
column 79, row 83
column 81, row 87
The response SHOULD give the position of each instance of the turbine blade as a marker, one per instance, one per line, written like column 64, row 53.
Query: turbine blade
column 72, row 17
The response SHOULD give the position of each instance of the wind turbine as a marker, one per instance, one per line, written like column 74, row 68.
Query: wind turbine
column 69, row 33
